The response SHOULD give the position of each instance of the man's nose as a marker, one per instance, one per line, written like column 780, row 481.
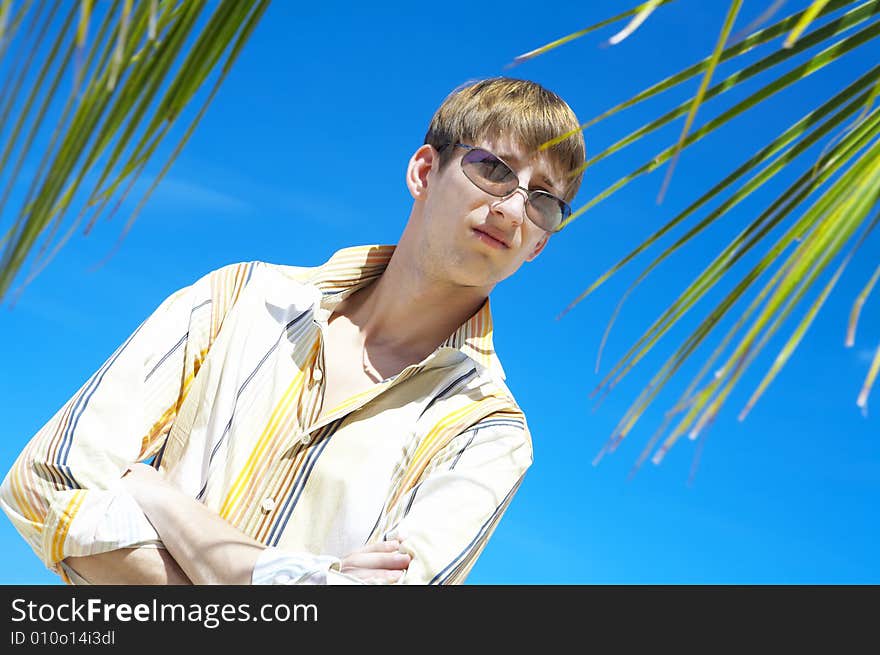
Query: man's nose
column 512, row 208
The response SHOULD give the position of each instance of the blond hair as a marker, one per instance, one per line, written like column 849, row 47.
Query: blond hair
column 503, row 107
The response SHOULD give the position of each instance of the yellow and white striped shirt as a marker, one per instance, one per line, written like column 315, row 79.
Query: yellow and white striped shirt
column 222, row 385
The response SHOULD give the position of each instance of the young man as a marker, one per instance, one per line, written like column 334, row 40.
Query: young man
column 345, row 423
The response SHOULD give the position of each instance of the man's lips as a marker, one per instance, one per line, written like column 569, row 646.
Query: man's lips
column 494, row 237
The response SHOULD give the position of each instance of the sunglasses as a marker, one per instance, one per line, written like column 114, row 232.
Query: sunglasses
column 491, row 174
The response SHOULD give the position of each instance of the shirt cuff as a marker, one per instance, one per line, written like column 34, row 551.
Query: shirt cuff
column 276, row 566
column 88, row 522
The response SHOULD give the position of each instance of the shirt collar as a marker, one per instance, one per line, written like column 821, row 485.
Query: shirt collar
column 351, row 268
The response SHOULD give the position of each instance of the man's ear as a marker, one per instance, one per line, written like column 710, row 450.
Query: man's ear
column 539, row 247
column 420, row 165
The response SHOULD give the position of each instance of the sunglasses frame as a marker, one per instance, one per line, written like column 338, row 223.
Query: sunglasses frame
column 564, row 206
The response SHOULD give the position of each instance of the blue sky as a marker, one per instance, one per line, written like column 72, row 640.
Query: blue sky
column 304, row 151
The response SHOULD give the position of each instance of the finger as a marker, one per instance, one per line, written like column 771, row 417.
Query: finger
column 378, row 560
column 383, row 546
column 379, row 547
column 385, row 577
column 375, row 575
column 394, row 576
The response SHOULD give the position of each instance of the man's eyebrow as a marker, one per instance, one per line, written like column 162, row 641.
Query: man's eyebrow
column 546, row 181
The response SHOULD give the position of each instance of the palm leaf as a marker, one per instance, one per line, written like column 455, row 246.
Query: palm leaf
column 841, row 184
column 768, row 172
column 799, row 332
column 869, row 382
column 824, row 58
column 854, row 16
column 808, row 17
column 701, row 92
column 132, row 82
column 642, row 10
column 750, row 237
column 857, row 308
column 798, row 273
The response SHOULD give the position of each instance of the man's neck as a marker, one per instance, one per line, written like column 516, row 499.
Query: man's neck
column 406, row 312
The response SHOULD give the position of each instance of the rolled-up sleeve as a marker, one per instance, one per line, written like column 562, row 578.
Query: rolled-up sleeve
column 63, row 492
column 447, row 518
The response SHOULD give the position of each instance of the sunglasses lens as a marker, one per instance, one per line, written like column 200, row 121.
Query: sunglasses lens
column 547, row 211
column 488, row 172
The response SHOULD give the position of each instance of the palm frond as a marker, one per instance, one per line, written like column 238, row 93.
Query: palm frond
column 809, row 16
column 131, row 83
column 862, row 400
column 646, row 10
column 857, row 308
column 819, row 61
column 841, row 184
column 830, row 222
column 755, row 182
column 856, row 15
column 749, row 238
column 638, row 10
column 732, row 13
column 787, row 350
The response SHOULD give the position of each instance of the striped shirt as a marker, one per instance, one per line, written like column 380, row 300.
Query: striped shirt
column 222, row 387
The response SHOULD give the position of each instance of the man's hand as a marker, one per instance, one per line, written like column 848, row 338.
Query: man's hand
column 377, row 563
column 137, row 475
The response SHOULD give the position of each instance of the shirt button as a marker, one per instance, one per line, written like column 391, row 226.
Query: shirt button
column 268, row 504
column 305, row 439
column 317, row 374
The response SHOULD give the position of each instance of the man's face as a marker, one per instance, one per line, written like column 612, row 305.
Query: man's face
column 467, row 235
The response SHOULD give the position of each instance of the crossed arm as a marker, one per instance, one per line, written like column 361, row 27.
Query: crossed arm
column 202, row 548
